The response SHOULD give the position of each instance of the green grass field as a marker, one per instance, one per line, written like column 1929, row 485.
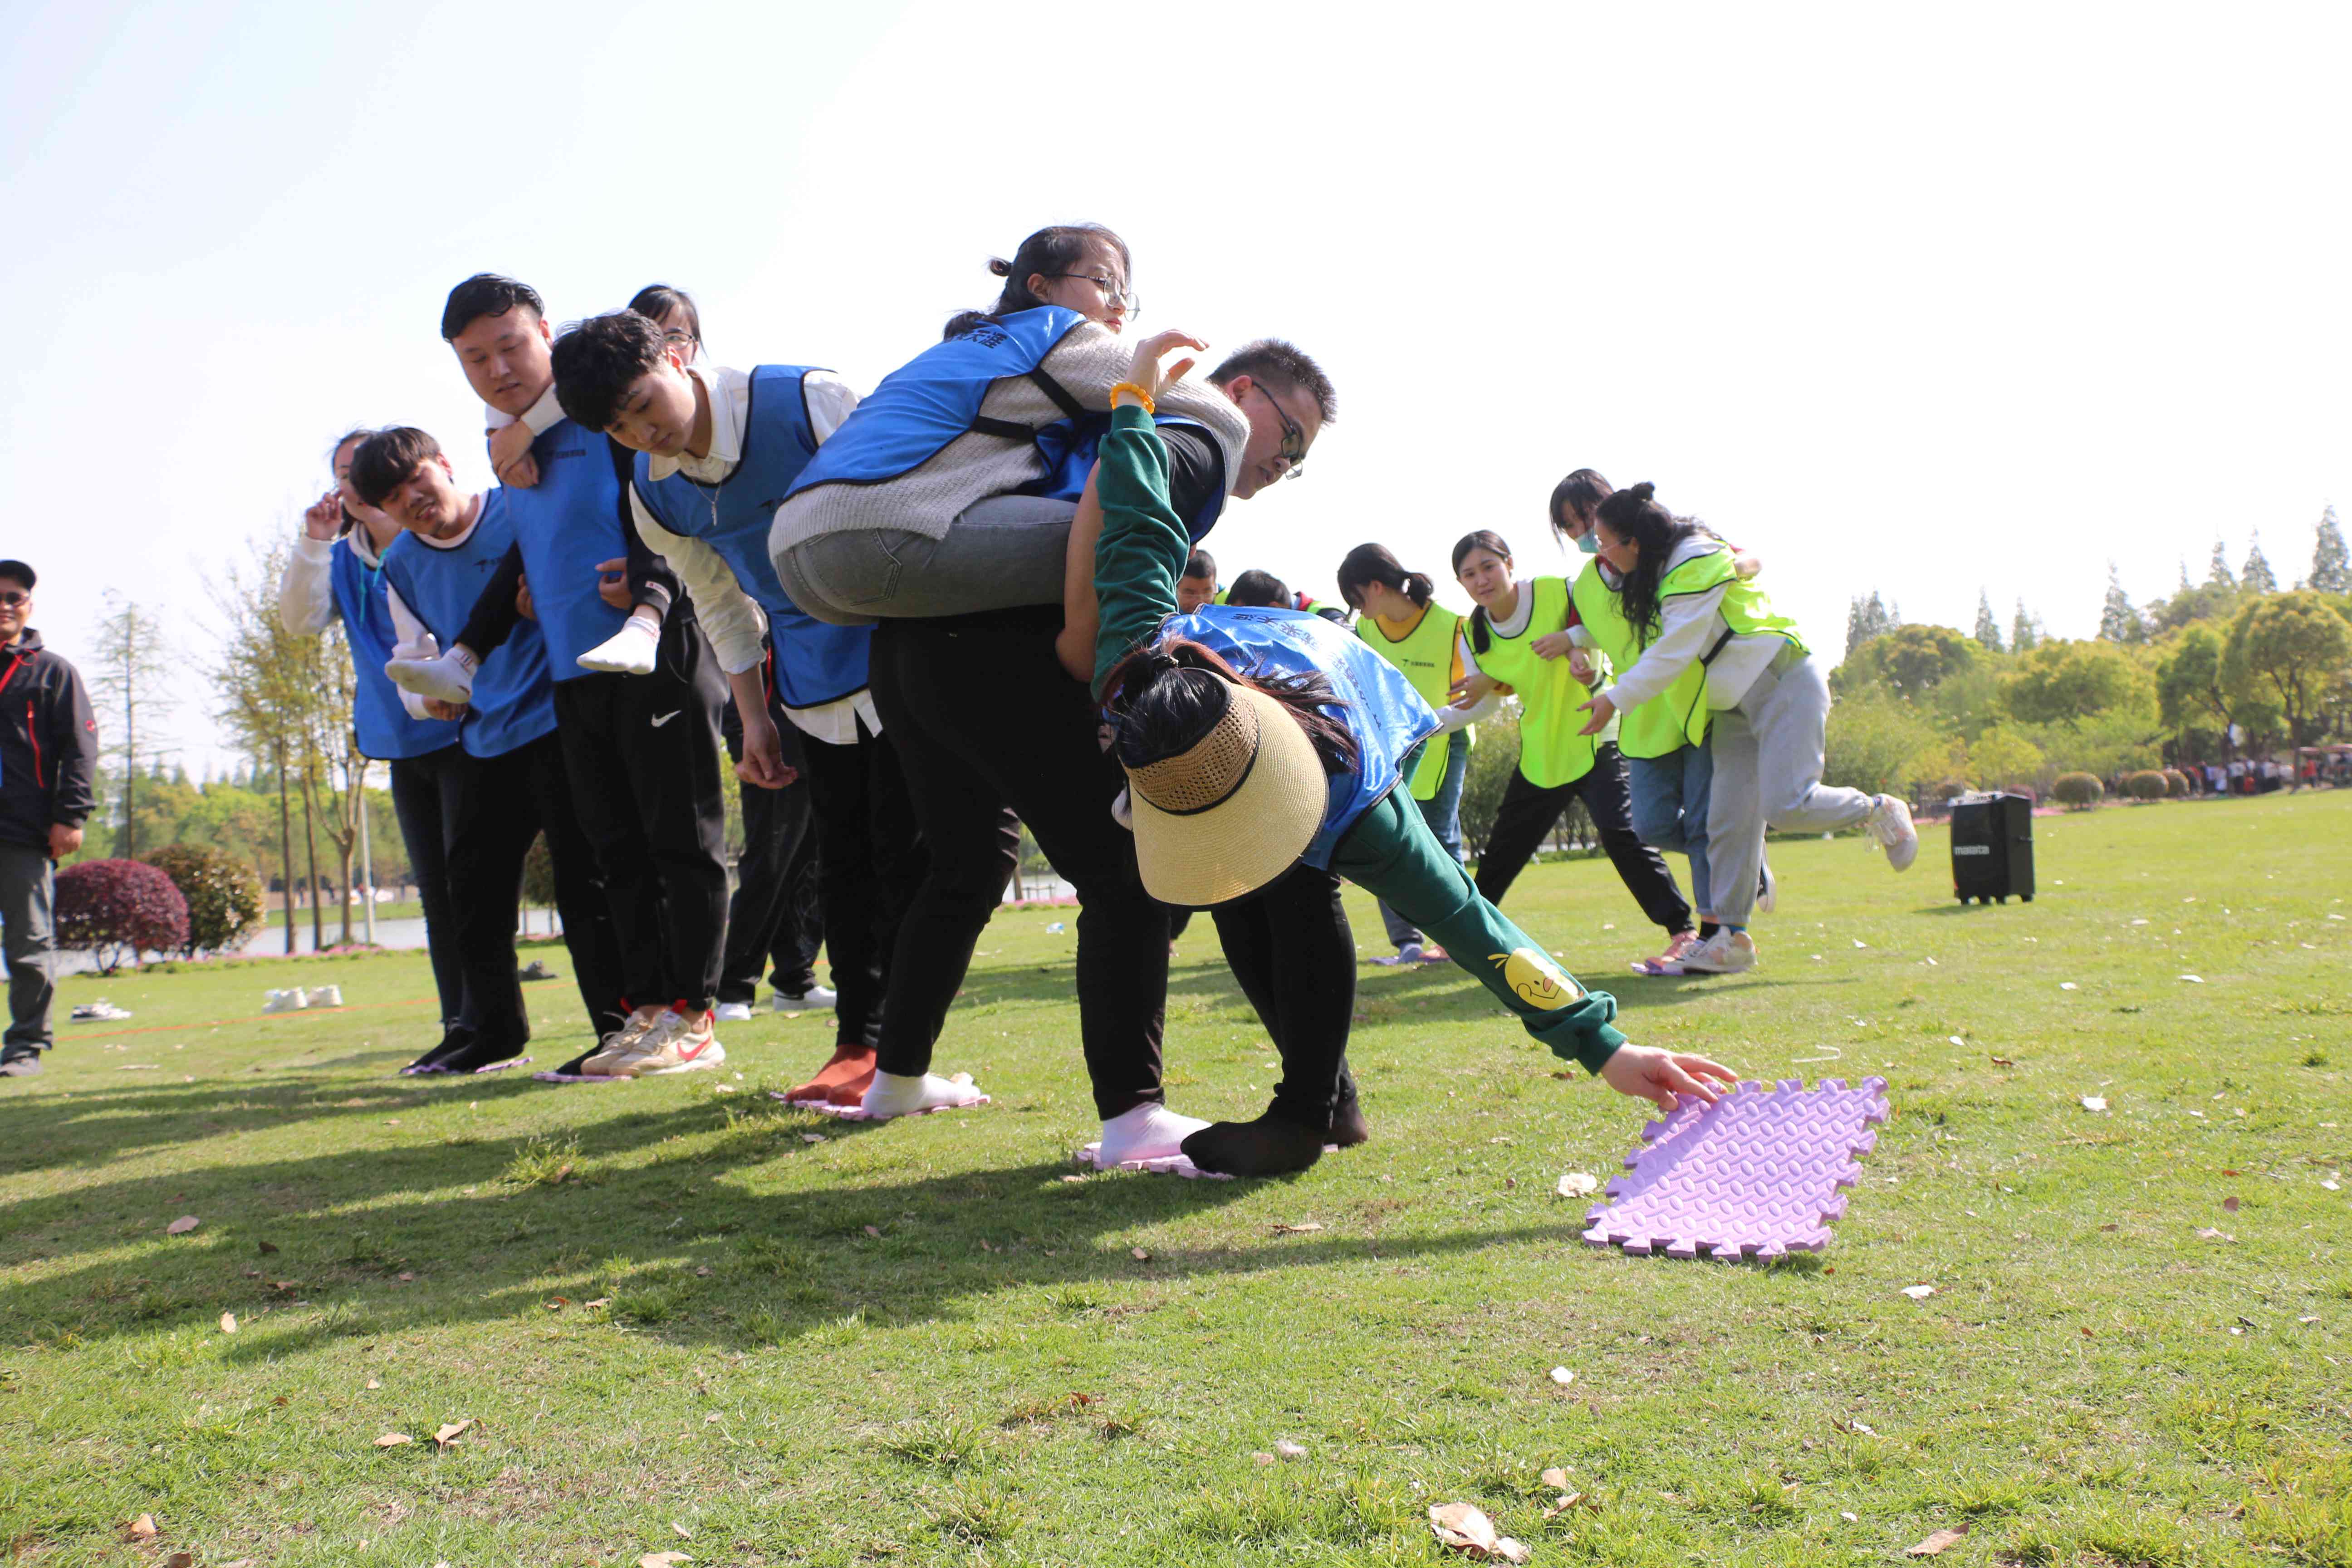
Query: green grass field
column 683, row 1318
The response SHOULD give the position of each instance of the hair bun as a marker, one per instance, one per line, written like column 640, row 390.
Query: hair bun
column 1643, row 492
column 999, row 267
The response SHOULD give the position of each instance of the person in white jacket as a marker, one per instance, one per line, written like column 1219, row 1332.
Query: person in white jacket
column 1682, row 591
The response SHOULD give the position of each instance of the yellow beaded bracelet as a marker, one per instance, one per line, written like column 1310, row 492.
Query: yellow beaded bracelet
column 1140, row 395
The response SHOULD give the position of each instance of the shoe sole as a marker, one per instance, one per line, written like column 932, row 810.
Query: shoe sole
column 859, row 1113
column 707, row 1062
column 554, row 1076
column 1090, row 1158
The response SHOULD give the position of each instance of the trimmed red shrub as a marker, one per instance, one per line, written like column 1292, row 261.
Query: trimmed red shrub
column 116, row 910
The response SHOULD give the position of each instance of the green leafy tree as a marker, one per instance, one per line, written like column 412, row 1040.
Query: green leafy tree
column 2118, row 622
column 2066, row 682
column 1493, row 761
column 2004, row 756
column 2288, row 648
column 2218, row 574
column 2189, row 696
column 2256, row 576
column 1872, row 741
column 1987, row 631
column 2024, row 630
column 2331, row 562
column 1869, row 618
column 1906, row 662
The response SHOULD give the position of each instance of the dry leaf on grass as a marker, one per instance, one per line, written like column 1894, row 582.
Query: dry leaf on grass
column 1577, row 1185
column 141, row 1529
column 1303, row 1228
column 268, row 1247
column 814, row 1138
column 1262, row 1459
column 1937, row 1544
column 873, row 1230
column 1464, row 1526
column 2094, row 1102
column 1556, row 1479
column 1918, row 1292
column 683, row 1533
column 394, row 1440
column 599, row 1301
column 2207, row 1232
column 182, row 1225
column 228, row 1322
column 663, row 1559
column 181, row 1560
column 451, row 1432
column 1140, row 1255
column 2229, row 1205
column 2002, row 1062
column 1562, row 1376
column 1286, row 1449
column 1564, row 1503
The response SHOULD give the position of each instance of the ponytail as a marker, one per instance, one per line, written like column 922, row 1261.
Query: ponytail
column 1369, row 563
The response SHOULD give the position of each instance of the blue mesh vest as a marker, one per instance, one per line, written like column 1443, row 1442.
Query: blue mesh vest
column 936, row 397
column 514, row 704
column 816, row 663
column 568, row 523
column 384, row 727
column 1383, row 713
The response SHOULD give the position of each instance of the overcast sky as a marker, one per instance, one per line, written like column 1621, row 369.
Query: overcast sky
column 1920, row 302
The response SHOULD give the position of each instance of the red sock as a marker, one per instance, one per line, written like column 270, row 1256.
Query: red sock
column 849, row 1063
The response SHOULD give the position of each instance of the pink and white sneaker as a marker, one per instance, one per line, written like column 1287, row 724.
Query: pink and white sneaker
column 1671, row 961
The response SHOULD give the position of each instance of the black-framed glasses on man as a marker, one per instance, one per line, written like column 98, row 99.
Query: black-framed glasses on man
column 11, row 599
column 1293, row 439
column 1116, row 293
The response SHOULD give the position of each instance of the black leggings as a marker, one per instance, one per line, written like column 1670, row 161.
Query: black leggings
column 989, row 727
column 871, row 858
column 1291, row 948
column 1528, row 811
column 775, row 910
column 424, row 798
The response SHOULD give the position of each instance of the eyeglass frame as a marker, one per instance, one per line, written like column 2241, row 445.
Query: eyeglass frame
column 1291, row 430
column 10, row 600
column 1125, row 297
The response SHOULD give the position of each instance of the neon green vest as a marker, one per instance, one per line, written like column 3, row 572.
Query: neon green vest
column 1747, row 609
column 1551, row 752
column 1667, row 722
column 1426, row 656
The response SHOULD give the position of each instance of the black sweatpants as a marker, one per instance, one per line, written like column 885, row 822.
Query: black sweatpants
column 642, row 754
column 424, row 798
column 1528, row 813
column 1291, row 947
column 502, row 804
column 870, row 857
column 776, row 909
column 991, row 728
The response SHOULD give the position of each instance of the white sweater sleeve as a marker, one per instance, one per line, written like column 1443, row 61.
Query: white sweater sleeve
column 730, row 618
column 306, row 595
column 1684, row 622
column 411, row 641
column 1461, row 717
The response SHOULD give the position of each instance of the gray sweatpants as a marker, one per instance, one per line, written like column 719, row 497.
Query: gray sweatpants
column 998, row 553
column 28, row 892
column 1767, row 769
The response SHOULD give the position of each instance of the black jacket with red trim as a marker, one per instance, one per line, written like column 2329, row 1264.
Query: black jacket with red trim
column 48, row 743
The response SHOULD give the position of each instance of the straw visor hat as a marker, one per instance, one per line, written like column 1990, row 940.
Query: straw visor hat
column 1232, row 812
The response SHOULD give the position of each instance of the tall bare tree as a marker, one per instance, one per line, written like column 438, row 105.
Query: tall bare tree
column 265, row 684
column 130, row 680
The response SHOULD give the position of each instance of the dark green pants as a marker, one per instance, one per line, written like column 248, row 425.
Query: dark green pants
column 1392, row 853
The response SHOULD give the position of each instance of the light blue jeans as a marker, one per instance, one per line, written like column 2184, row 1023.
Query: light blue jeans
column 1443, row 812
column 1669, row 803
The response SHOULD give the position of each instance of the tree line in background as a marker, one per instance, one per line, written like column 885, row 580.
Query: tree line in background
column 2232, row 667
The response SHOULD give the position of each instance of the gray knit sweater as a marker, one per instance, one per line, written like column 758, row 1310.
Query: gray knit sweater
column 1088, row 363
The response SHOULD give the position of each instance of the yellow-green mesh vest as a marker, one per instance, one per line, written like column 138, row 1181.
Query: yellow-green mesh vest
column 1551, row 752
column 1747, row 609
column 1424, row 655
column 1677, row 716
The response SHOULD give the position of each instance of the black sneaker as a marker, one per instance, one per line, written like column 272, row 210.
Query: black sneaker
column 24, row 1061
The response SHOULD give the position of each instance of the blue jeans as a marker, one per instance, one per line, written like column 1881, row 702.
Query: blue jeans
column 1669, row 801
column 1443, row 812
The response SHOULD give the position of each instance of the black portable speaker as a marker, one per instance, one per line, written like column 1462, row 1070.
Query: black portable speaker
column 1992, row 847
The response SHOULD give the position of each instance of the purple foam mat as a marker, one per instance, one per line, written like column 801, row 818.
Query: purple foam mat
column 859, row 1113
column 1755, row 1175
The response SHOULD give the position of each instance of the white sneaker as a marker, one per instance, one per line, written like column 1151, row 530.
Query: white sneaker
column 1890, row 824
column 289, row 1001
column 1728, row 952
column 1768, row 895
column 675, row 1044
column 734, row 1012
column 621, row 1044
column 815, row 996
column 324, row 996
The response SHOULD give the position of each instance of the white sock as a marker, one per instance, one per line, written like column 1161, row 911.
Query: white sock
column 629, row 651
column 1150, row 1132
column 892, row 1094
column 448, row 679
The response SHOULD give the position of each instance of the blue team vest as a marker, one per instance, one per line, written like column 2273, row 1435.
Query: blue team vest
column 1384, row 713
column 566, row 524
column 816, row 663
column 514, row 704
column 935, row 398
column 384, row 728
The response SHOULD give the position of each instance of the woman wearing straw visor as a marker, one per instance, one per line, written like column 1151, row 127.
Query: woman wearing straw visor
column 1256, row 742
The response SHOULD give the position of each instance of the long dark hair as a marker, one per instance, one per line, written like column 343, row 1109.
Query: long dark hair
column 360, row 434
column 1369, row 563
column 1166, row 698
column 1582, row 493
column 1655, row 535
column 1049, row 251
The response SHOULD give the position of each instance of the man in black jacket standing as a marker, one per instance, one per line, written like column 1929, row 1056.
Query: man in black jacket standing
column 48, row 752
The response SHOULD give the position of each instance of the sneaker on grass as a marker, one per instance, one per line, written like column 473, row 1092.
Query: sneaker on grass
column 1728, row 952
column 677, row 1042
column 602, row 1062
column 813, row 996
column 734, row 1012
column 1671, row 961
